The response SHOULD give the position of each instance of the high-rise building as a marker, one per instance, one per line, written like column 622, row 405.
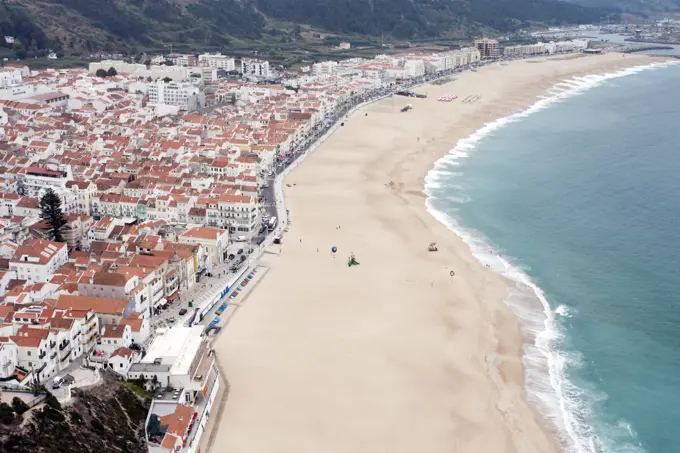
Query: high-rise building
column 488, row 48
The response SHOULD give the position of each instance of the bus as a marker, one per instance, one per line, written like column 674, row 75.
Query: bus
column 272, row 224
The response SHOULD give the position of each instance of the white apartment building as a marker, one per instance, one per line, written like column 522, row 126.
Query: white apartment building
column 36, row 179
column 239, row 214
column 324, row 68
column 182, row 60
column 10, row 77
column 214, row 242
column 414, row 67
column 36, row 351
column 37, row 260
column 186, row 96
column 525, row 50
column 217, row 61
column 251, row 66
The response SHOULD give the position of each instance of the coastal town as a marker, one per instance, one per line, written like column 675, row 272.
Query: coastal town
column 169, row 176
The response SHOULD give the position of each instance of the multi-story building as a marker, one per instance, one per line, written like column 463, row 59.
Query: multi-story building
column 182, row 60
column 238, row 213
column 10, row 77
column 9, row 358
column 251, row 66
column 36, row 179
column 36, row 351
column 525, row 50
column 112, row 337
column 214, row 242
column 217, row 61
column 84, row 192
column 182, row 359
column 186, row 96
column 488, row 48
column 414, row 67
column 37, row 260
column 118, row 285
column 324, row 68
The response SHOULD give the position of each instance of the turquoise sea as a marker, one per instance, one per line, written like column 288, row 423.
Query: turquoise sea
column 577, row 202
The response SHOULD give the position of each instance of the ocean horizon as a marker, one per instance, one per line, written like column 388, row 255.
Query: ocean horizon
column 573, row 200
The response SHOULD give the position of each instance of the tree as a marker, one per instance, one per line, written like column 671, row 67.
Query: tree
column 101, row 73
column 167, row 79
column 6, row 414
column 112, row 72
column 19, row 406
column 50, row 211
column 36, row 387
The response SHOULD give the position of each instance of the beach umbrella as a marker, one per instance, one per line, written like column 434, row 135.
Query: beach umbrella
column 432, row 244
column 334, row 249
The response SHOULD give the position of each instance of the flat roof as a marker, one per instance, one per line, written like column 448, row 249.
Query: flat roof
column 177, row 348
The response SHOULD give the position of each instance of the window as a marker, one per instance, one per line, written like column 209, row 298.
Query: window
column 30, row 363
column 29, row 353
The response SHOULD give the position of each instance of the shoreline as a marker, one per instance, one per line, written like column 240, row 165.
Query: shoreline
column 469, row 397
column 567, row 429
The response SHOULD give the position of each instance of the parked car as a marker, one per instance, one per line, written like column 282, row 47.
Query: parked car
column 240, row 251
column 243, row 258
column 231, row 256
column 183, row 312
column 56, row 383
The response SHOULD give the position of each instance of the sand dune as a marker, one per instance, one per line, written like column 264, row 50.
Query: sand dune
column 394, row 355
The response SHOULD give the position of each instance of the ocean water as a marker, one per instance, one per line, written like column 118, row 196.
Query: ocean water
column 577, row 202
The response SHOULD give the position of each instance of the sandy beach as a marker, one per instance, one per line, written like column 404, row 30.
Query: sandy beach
column 393, row 355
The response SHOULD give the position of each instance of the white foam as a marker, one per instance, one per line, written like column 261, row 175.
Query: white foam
column 567, row 406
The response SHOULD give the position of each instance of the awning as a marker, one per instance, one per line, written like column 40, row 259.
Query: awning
column 173, row 296
column 161, row 301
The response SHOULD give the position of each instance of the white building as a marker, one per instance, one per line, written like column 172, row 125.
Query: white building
column 414, row 67
column 8, row 358
column 240, row 214
column 214, row 242
column 217, row 61
column 182, row 60
column 259, row 68
column 36, row 351
column 186, row 96
column 37, row 260
column 324, row 68
column 121, row 360
column 112, row 337
column 179, row 358
column 36, row 179
column 10, row 77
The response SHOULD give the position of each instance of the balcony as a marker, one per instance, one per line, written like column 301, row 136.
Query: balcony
column 65, row 357
column 53, row 344
column 64, row 344
column 53, row 356
column 42, row 355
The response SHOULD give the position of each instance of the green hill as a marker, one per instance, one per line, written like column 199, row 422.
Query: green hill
column 118, row 25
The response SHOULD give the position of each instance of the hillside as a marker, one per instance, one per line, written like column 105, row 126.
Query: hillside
column 105, row 419
column 638, row 7
column 120, row 25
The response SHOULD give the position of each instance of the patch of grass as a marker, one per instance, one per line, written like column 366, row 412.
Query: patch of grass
column 140, row 391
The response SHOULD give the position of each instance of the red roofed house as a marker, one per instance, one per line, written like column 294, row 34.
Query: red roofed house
column 37, row 260
column 37, row 350
column 120, row 360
